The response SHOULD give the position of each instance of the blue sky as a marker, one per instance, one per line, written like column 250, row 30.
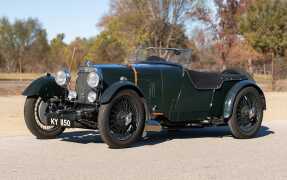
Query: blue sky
column 72, row 17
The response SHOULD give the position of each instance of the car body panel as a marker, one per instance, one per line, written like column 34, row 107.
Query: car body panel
column 219, row 98
column 44, row 86
column 230, row 97
column 112, row 73
column 166, row 88
column 150, row 82
column 109, row 93
column 172, row 82
column 192, row 104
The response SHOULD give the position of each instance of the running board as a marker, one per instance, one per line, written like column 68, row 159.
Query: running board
column 152, row 126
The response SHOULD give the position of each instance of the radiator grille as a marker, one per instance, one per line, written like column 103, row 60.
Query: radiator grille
column 82, row 87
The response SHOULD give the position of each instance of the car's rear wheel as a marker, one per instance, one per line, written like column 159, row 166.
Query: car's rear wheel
column 121, row 121
column 35, row 116
column 246, row 119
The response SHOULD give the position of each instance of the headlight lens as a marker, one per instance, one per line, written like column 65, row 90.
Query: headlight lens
column 72, row 95
column 92, row 96
column 93, row 79
column 62, row 78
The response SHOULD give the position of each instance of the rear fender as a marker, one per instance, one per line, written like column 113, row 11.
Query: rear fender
column 44, row 86
column 232, row 94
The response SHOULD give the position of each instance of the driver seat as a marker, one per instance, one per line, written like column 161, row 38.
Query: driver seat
column 205, row 80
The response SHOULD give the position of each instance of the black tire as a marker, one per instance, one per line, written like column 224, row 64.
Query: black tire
column 247, row 115
column 113, row 117
column 238, row 71
column 33, row 122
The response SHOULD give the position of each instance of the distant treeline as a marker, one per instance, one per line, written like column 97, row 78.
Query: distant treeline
column 225, row 33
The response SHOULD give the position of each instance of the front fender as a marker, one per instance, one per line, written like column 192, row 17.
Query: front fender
column 111, row 91
column 232, row 93
column 44, row 86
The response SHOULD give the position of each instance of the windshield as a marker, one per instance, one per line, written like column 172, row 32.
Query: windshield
column 181, row 56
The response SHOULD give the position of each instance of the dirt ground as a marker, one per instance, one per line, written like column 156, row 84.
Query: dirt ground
column 12, row 122
column 12, row 87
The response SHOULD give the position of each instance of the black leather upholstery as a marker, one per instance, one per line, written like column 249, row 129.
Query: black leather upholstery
column 205, row 80
column 155, row 58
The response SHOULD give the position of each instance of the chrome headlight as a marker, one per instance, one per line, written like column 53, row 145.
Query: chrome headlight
column 92, row 96
column 72, row 95
column 93, row 79
column 63, row 78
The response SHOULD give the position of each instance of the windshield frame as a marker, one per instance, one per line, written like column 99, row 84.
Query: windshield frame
column 163, row 53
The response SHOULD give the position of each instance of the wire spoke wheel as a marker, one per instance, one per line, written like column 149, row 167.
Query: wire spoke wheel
column 247, row 112
column 247, row 116
column 123, row 120
column 40, row 111
column 35, row 115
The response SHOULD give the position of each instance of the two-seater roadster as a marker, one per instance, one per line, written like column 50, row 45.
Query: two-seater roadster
column 121, row 100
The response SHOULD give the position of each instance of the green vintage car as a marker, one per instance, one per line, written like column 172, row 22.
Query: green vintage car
column 123, row 100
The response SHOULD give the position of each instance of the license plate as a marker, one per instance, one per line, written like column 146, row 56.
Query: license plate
column 60, row 122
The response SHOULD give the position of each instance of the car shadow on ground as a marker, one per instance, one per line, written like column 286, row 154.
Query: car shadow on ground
column 152, row 138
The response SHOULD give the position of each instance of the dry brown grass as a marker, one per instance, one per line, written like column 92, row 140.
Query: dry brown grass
column 15, row 83
column 26, row 76
column 265, row 82
column 18, row 76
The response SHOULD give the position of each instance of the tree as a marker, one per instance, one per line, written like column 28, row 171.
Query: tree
column 107, row 49
column 37, row 56
column 58, row 52
column 78, row 50
column 264, row 27
column 158, row 23
column 7, row 46
column 227, row 30
column 18, row 40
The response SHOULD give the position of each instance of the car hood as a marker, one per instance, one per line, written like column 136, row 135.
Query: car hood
column 112, row 73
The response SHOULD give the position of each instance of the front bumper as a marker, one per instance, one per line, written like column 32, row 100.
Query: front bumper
column 85, row 117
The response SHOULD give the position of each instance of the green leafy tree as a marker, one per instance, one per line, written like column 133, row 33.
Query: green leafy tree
column 7, row 45
column 158, row 23
column 22, row 42
column 264, row 26
column 107, row 49
column 59, row 53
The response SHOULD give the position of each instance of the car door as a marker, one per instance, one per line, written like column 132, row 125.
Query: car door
column 172, row 79
column 192, row 104
column 150, row 82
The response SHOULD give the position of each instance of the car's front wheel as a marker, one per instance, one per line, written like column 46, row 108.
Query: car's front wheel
column 35, row 117
column 246, row 119
column 121, row 121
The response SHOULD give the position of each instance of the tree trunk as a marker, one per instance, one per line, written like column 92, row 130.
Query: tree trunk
column 20, row 68
column 223, row 59
column 72, row 59
column 273, row 73
column 250, row 67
